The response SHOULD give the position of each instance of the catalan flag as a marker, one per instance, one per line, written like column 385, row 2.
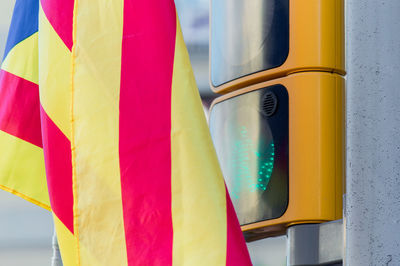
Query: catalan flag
column 22, row 169
column 131, row 170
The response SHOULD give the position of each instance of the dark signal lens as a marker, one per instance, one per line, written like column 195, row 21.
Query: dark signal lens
column 253, row 152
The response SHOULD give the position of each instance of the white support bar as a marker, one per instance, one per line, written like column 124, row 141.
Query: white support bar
column 56, row 259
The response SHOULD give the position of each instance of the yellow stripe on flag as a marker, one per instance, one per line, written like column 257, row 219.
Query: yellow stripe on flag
column 22, row 170
column 198, row 190
column 99, row 222
column 22, row 61
column 67, row 243
column 54, row 76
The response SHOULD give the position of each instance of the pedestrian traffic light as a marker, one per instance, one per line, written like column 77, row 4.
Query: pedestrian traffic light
column 280, row 146
column 258, row 40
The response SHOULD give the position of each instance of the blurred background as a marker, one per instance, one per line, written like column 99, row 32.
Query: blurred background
column 25, row 229
column 194, row 18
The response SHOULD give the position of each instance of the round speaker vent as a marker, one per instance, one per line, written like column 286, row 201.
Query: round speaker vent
column 269, row 103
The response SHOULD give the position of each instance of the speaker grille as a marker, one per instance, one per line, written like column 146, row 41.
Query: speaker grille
column 269, row 103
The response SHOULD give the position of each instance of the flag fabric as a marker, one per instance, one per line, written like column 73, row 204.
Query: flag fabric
column 55, row 83
column 132, row 174
column 22, row 169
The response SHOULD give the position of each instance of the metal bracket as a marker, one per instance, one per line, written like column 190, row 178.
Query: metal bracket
column 315, row 244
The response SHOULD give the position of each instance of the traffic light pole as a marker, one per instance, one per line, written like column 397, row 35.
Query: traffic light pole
column 372, row 210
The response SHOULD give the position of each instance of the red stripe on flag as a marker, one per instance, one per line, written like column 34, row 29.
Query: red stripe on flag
column 57, row 155
column 60, row 16
column 145, row 130
column 237, row 254
column 19, row 108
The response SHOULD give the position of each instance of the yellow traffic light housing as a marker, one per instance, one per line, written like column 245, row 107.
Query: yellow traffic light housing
column 259, row 40
column 280, row 145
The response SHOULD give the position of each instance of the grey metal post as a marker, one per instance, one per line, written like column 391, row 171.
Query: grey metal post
column 315, row 244
column 372, row 212
column 56, row 259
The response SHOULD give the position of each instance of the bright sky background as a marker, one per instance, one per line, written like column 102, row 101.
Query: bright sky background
column 6, row 8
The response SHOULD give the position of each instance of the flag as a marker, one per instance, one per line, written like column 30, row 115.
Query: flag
column 22, row 169
column 55, row 77
column 132, row 174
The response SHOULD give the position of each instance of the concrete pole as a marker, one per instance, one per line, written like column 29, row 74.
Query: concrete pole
column 372, row 210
